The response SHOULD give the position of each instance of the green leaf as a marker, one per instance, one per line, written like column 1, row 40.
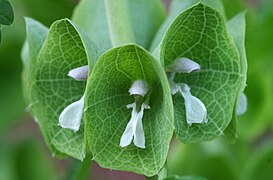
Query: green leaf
column 185, row 178
column 146, row 17
column 176, row 8
column 162, row 174
column 90, row 15
column 6, row 13
column 36, row 35
column 106, row 115
column 200, row 34
column 64, row 49
column 231, row 131
column 142, row 17
column 236, row 28
column 119, row 23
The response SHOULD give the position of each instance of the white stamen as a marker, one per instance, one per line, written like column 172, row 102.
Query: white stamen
column 80, row 73
column 71, row 116
column 196, row 112
column 134, row 129
column 242, row 105
column 183, row 65
column 139, row 87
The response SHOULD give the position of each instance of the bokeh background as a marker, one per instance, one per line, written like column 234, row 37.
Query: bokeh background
column 24, row 155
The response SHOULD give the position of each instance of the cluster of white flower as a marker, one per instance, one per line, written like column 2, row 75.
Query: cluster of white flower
column 196, row 111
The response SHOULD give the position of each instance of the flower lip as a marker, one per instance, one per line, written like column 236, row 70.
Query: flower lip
column 196, row 111
column 139, row 87
column 134, row 130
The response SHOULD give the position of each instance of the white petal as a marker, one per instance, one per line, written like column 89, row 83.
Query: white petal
column 80, row 73
column 71, row 116
column 139, row 87
column 183, row 65
column 196, row 112
column 134, row 129
column 139, row 137
column 128, row 133
column 242, row 105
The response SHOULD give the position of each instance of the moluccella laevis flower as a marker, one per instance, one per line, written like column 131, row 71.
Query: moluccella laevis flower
column 134, row 129
column 196, row 111
column 71, row 116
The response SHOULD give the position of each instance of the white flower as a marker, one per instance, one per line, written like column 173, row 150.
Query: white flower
column 71, row 116
column 134, row 129
column 183, row 65
column 139, row 87
column 196, row 112
column 80, row 73
column 242, row 105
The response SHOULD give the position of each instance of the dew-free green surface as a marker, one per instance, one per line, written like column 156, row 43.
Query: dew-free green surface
column 63, row 50
column 36, row 35
column 236, row 28
column 176, row 8
column 200, row 34
column 106, row 115
column 6, row 13
column 142, row 17
column 119, row 24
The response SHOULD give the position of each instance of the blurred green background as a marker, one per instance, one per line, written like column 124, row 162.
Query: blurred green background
column 23, row 154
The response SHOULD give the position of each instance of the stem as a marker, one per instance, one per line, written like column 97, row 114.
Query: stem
column 80, row 170
column 120, row 28
column 2, row 27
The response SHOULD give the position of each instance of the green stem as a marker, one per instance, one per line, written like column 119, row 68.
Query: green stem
column 80, row 170
column 120, row 28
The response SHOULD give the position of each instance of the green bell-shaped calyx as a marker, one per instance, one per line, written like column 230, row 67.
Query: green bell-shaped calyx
column 107, row 117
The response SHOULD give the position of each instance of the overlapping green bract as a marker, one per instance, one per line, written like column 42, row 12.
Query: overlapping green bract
column 177, row 7
column 236, row 28
column 36, row 35
column 52, row 90
column 198, row 33
column 106, row 115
